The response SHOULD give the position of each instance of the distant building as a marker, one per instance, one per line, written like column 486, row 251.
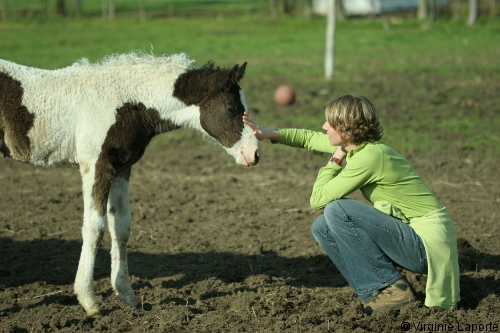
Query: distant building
column 368, row 7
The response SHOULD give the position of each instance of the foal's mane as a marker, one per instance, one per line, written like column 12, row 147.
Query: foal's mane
column 209, row 68
column 181, row 60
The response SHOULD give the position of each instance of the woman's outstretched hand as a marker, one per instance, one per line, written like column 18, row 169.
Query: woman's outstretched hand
column 258, row 131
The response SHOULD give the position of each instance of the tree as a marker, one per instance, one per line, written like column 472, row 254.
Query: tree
column 422, row 9
column 78, row 8
column 103, row 7
column 142, row 11
column 3, row 9
column 277, row 7
column 171, row 8
column 471, row 19
column 330, row 39
column 108, row 9
column 111, row 7
column 456, row 8
column 61, row 7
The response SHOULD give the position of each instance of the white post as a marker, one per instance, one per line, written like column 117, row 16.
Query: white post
column 422, row 10
column 471, row 20
column 330, row 39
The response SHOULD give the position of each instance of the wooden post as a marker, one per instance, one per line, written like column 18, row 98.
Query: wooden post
column 456, row 7
column 60, row 8
column 142, row 11
column 171, row 8
column 45, row 4
column 282, row 6
column 3, row 9
column 471, row 20
column 338, row 10
column 111, row 13
column 78, row 8
column 103, row 7
column 306, row 7
column 273, row 5
column 493, row 9
column 431, row 7
column 330, row 40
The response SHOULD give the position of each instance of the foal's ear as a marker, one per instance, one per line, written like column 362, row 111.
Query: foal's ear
column 232, row 76
column 240, row 71
column 236, row 73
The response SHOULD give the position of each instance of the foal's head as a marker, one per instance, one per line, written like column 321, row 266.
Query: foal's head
column 221, row 103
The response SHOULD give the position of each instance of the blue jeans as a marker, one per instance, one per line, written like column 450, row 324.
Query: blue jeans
column 365, row 244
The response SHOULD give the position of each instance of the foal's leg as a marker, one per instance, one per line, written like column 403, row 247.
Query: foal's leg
column 119, row 228
column 94, row 223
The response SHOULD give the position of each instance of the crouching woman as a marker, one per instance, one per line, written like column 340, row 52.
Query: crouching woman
column 405, row 227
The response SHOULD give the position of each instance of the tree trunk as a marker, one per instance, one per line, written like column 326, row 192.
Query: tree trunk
column 78, row 8
column 282, row 8
column 60, row 8
column 372, row 10
column 433, row 8
column 307, row 10
column 111, row 13
column 142, row 11
column 273, row 5
column 3, row 9
column 46, row 9
column 339, row 12
column 493, row 9
column 422, row 9
column 330, row 40
column 103, row 7
column 456, row 9
column 171, row 8
column 471, row 20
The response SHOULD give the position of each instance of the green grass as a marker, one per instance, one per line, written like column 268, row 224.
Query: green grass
column 435, row 84
column 129, row 8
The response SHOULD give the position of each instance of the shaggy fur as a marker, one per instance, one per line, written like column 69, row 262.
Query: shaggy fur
column 100, row 118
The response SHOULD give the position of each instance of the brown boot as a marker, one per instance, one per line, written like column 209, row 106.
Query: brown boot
column 395, row 297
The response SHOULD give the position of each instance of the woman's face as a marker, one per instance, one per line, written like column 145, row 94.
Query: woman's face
column 333, row 135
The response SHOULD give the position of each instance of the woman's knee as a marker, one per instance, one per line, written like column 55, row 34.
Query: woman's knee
column 335, row 211
column 328, row 219
column 319, row 225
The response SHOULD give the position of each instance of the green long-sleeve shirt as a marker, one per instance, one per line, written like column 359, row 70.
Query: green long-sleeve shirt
column 389, row 181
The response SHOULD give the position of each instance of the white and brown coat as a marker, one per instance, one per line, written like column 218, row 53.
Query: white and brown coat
column 99, row 118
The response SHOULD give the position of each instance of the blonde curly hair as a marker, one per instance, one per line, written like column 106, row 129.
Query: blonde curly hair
column 354, row 116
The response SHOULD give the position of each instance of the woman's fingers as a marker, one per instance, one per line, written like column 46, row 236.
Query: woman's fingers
column 248, row 119
column 258, row 131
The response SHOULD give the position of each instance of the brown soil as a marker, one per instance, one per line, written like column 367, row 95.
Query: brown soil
column 220, row 248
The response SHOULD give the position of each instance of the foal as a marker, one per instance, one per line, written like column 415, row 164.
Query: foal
column 99, row 118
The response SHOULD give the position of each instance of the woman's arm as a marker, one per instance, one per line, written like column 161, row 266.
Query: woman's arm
column 260, row 132
column 293, row 137
column 334, row 183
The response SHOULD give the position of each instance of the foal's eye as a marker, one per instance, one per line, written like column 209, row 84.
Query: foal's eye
column 232, row 109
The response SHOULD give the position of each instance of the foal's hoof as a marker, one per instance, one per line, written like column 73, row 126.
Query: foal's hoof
column 130, row 299
column 93, row 311
column 90, row 306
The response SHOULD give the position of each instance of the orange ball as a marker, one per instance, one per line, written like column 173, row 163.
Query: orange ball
column 284, row 95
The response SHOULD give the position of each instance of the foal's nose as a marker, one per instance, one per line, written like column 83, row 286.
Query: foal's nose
column 256, row 158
